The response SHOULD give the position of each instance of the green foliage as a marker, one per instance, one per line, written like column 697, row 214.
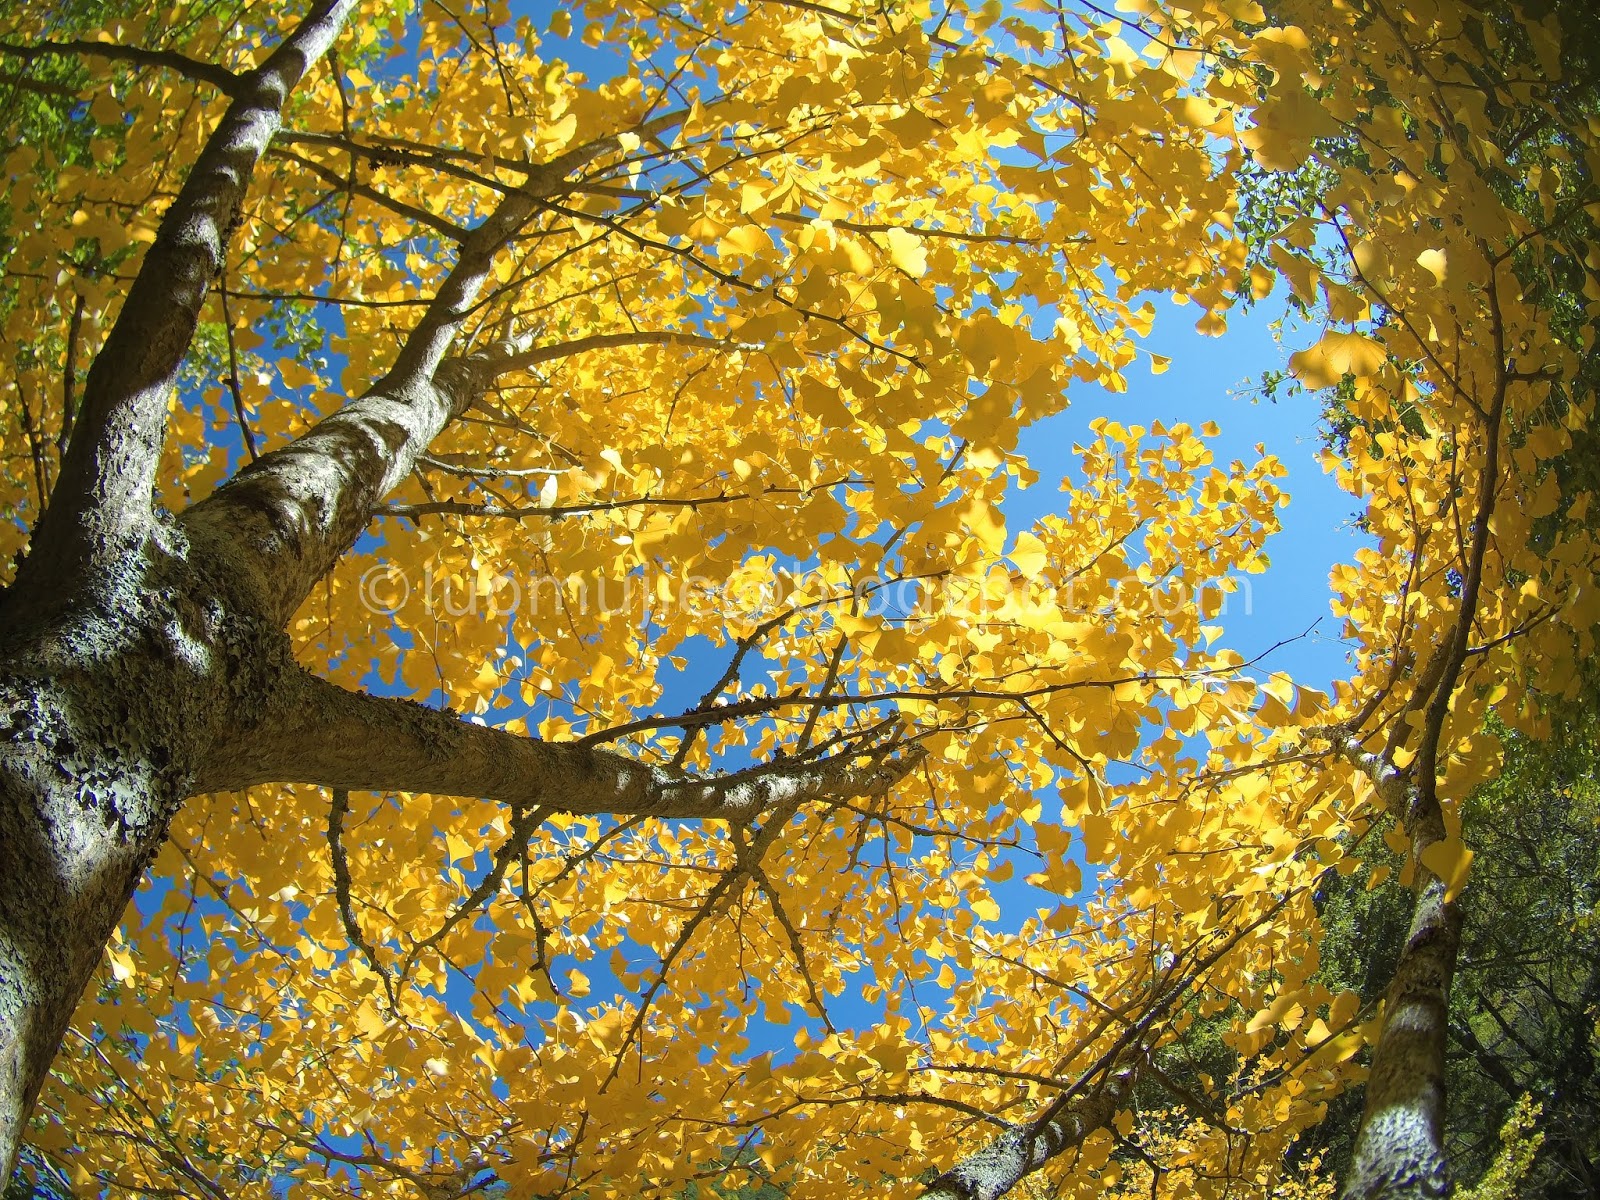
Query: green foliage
column 1526, row 997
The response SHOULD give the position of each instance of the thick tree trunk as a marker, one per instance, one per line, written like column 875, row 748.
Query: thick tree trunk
column 108, row 706
column 129, row 652
column 81, row 814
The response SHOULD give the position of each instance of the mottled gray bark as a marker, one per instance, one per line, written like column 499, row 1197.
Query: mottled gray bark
column 1005, row 1162
column 1399, row 1152
column 106, row 713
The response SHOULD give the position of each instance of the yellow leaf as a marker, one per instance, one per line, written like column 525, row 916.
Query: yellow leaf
column 1285, row 128
column 1451, row 861
column 1435, row 263
column 1029, row 556
column 1274, row 1013
column 986, row 523
column 294, row 373
column 1280, row 686
column 744, row 239
column 1335, row 356
column 1373, row 262
column 907, row 252
column 560, row 133
column 107, row 109
column 122, row 968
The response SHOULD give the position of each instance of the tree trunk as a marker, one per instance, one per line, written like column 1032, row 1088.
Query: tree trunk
column 84, row 802
column 109, row 706
column 125, row 648
column 1400, row 1149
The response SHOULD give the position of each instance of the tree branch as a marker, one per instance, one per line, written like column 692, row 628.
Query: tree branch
column 224, row 80
column 341, row 891
column 1003, row 1163
column 293, row 513
column 534, row 355
column 101, row 510
column 1077, row 1112
column 334, row 738
column 69, row 374
column 440, row 225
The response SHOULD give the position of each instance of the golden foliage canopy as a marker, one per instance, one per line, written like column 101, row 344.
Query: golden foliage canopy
column 788, row 280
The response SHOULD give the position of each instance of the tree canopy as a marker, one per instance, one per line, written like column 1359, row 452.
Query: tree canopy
column 506, row 554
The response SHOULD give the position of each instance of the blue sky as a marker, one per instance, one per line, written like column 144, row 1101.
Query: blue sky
column 1215, row 379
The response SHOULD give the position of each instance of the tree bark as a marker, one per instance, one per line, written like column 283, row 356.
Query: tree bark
column 106, row 714
column 328, row 736
column 1023, row 1149
column 1399, row 1151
